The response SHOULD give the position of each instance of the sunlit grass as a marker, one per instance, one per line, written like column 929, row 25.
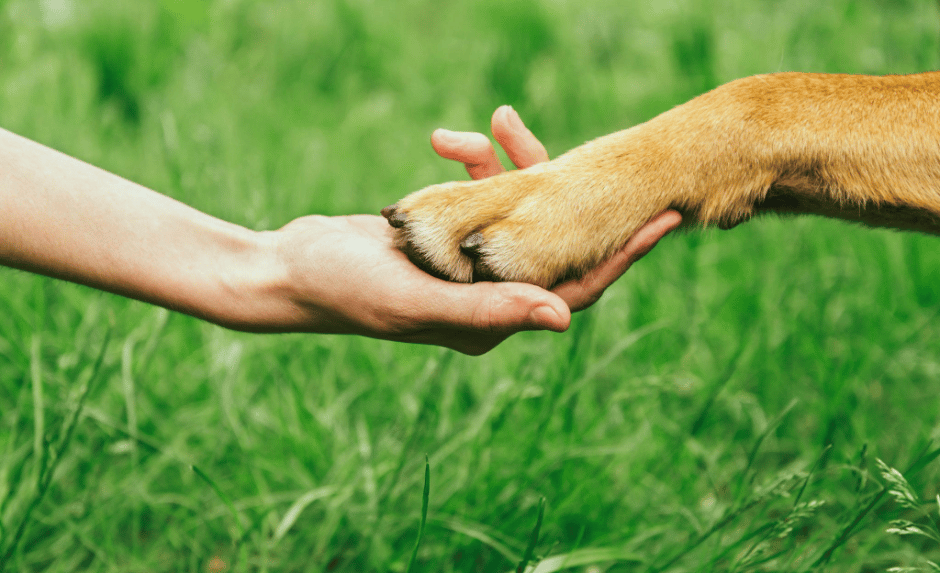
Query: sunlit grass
column 722, row 408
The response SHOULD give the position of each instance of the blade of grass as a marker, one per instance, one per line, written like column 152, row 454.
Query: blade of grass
column 45, row 478
column 533, row 538
column 573, row 365
column 479, row 532
column 726, row 519
column 861, row 469
column 290, row 517
column 719, row 384
column 810, row 474
column 742, row 561
column 39, row 420
column 130, row 405
column 583, row 557
column 772, row 425
column 240, row 550
column 152, row 445
column 429, row 402
column 424, row 514
column 225, row 499
column 578, row 542
column 13, row 465
column 849, row 530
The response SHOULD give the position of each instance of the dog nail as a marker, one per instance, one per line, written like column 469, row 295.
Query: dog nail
column 396, row 218
column 471, row 244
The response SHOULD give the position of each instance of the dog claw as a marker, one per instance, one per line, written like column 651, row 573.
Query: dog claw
column 471, row 244
column 396, row 219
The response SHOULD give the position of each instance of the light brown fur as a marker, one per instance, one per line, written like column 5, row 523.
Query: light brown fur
column 860, row 148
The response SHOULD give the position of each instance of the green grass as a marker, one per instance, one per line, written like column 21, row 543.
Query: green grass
column 722, row 408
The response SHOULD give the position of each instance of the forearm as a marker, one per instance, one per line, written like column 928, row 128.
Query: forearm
column 860, row 148
column 67, row 219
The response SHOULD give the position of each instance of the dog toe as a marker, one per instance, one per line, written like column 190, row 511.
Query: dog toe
column 395, row 218
column 472, row 244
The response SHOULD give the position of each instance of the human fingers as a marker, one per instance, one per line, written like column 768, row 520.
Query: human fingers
column 582, row 293
column 484, row 306
column 523, row 148
column 647, row 237
column 472, row 149
column 488, row 308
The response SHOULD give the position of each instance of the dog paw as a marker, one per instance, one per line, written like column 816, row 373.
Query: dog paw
column 542, row 225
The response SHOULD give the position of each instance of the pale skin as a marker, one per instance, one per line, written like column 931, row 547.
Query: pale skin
column 64, row 218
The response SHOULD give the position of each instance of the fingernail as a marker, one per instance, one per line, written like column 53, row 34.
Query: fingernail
column 545, row 317
column 447, row 136
column 515, row 121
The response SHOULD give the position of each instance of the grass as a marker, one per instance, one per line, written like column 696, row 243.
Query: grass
column 726, row 406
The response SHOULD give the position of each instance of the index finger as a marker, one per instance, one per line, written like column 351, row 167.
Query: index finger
column 472, row 149
column 523, row 148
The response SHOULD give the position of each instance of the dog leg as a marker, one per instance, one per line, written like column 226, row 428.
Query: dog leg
column 861, row 148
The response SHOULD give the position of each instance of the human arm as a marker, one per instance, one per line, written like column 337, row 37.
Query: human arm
column 67, row 219
column 64, row 218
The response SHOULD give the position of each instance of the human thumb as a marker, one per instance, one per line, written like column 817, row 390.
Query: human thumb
column 519, row 307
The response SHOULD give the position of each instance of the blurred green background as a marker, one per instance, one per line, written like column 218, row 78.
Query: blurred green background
column 722, row 408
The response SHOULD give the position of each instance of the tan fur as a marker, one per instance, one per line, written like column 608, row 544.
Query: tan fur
column 861, row 148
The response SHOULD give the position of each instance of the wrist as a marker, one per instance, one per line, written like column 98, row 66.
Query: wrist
column 249, row 286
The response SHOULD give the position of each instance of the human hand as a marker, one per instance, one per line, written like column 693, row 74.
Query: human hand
column 317, row 274
column 344, row 275
column 475, row 151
